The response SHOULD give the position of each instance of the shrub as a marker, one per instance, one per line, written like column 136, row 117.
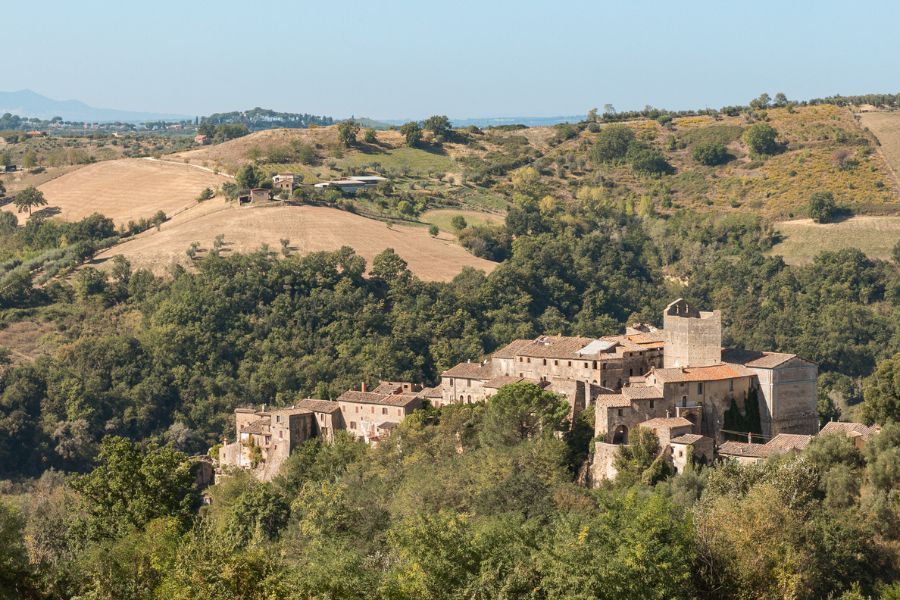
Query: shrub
column 433, row 231
column 458, row 222
column 822, row 207
column 612, row 143
column 710, row 154
column 760, row 138
column 648, row 160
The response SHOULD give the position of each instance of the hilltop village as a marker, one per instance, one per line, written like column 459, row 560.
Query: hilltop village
column 677, row 381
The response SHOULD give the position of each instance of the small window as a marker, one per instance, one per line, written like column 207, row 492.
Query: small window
column 731, row 385
column 372, row 409
column 602, row 366
column 545, row 362
column 585, row 365
column 468, row 383
column 461, row 398
column 630, row 372
column 281, row 434
column 651, row 404
column 400, row 412
column 570, row 363
column 684, row 401
column 352, row 424
column 470, row 398
column 555, row 363
column 680, row 453
column 384, row 410
column 278, row 418
column 620, row 412
column 700, row 388
column 451, row 381
column 595, row 364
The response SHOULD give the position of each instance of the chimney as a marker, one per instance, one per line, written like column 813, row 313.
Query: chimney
column 667, row 413
column 363, row 386
column 263, row 407
column 749, row 438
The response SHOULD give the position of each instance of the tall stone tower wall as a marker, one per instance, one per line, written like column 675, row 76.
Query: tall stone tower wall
column 693, row 338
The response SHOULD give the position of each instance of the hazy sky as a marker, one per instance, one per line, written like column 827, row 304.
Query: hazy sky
column 483, row 58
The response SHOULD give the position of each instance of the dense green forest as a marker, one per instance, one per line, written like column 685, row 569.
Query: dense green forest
column 470, row 501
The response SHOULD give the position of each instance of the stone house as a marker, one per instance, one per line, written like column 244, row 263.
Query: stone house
column 264, row 439
column 373, row 415
column 691, row 447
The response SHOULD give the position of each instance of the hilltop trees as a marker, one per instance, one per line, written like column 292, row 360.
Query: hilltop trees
column 29, row 198
column 439, row 126
column 412, row 132
column 347, row 132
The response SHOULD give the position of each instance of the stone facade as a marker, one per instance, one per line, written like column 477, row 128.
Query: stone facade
column 693, row 338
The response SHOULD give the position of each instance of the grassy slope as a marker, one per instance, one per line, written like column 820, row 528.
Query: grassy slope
column 803, row 239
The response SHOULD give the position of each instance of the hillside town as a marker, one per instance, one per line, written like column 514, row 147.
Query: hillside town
column 677, row 382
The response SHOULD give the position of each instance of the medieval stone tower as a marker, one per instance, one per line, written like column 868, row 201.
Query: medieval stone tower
column 693, row 338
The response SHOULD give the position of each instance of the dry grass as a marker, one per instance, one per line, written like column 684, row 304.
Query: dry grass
column 308, row 228
column 803, row 238
column 886, row 127
column 442, row 217
column 27, row 340
column 126, row 189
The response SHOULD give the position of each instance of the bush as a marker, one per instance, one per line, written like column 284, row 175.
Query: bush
column 433, row 231
column 648, row 161
column 458, row 222
column 612, row 143
column 760, row 138
column 710, row 154
column 822, row 207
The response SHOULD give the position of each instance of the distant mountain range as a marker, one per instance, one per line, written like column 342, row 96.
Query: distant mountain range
column 26, row 103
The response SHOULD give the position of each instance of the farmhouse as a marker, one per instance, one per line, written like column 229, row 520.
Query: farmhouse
column 201, row 139
column 285, row 182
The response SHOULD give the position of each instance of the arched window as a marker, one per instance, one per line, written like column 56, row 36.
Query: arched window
column 620, row 435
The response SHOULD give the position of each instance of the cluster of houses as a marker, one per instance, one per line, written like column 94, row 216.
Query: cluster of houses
column 677, row 382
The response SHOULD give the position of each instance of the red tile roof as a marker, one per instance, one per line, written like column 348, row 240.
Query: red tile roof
column 666, row 423
column 783, row 442
column 745, row 449
column 711, row 373
column 756, row 360
column 470, row 370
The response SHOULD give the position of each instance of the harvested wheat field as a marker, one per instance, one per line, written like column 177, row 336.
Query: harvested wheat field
column 126, row 190
column 804, row 239
column 886, row 127
column 309, row 229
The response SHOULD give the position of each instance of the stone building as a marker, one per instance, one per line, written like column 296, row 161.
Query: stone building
column 704, row 386
column 265, row 438
column 692, row 338
column 372, row 416
column 285, row 182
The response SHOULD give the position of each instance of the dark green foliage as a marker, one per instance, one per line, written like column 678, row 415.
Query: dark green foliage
column 412, row 132
column 258, row 514
column 15, row 572
column 347, row 132
column 28, row 199
column 822, row 207
column 458, row 222
column 641, row 460
column 248, row 177
column 439, row 126
column 747, row 422
column 648, row 161
column 710, row 153
column 612, row 143
column 132, row 486
column 761, row 139
column 882, row 392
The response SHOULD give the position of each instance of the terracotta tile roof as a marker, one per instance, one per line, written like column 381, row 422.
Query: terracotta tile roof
column 612, row 401
column 687, row 438
column 555, row 346
column 653, row 338
column 259, row 427
column 396, row 387
column 626, row 344
column 642, row 392
column 387, row 425
column 666, row 423
column 498, row 382
column 711, row 373
column 432, row 392
column 756, row 360
column 470, row 370
column 511, row 350
column 319, row 406
column 375, row 398
column 783, row 442
column 245, row 411
column 745, row 449
column 849, row 429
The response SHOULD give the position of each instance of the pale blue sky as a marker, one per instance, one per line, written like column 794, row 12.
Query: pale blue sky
column 463, row 58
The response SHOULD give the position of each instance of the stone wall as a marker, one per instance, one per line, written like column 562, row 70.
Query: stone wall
column 603, row 465
column 693, row 339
